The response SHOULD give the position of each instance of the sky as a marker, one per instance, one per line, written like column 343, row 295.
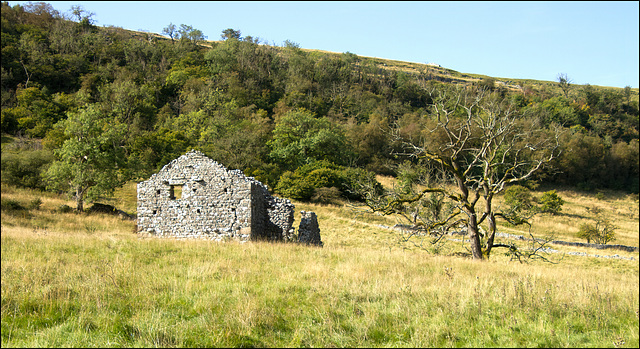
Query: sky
column 591, row 42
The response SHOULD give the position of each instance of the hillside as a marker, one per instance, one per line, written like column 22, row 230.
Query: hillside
column 87, row 112
column 437, row 71
column 239, row 101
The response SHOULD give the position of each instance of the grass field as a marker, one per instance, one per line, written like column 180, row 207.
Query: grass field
column 89, row 280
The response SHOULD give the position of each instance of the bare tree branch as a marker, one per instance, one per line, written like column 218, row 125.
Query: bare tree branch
column 483, row 143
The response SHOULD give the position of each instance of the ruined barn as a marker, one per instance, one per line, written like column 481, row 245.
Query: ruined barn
column 195, row 197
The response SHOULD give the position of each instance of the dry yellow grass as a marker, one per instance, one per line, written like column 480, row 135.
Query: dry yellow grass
column 620, row 208
column 69, row 284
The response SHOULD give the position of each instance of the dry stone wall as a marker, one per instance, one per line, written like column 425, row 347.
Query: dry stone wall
column 196, row 197
column 309, row 232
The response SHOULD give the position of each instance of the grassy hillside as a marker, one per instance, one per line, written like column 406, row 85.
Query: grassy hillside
column 88, row 280
column 434, row 70
column 72, row 279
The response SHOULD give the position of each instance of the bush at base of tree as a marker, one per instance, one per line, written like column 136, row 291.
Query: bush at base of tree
column 293, row 186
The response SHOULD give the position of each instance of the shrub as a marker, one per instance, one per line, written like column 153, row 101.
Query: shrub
column 324, row 177
column 551, row 202
column 315, row 165
column 601, row 232
column 306, row 180
column 357, row 183
column 23, row 169
column 518, row 198
column 11, row 205
column 326, row 195
column 293, row 186
column 64, row 209
column 35, row 204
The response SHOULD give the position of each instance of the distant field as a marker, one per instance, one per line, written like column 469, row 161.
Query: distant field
column 88, row 280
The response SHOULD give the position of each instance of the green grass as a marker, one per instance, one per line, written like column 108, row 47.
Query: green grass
column 88, row 280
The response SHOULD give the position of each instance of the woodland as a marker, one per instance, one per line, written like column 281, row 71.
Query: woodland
column 121, row 104
column 365, row 143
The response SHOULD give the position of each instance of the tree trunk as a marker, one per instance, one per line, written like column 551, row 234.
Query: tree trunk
column 472, row 231
column 492, row 233
column 79, row 199
column 491, row 220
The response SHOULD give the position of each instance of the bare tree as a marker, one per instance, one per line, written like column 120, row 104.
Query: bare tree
column 565, row 83
column 170, row 31
column 82, row 16
column 480, row 143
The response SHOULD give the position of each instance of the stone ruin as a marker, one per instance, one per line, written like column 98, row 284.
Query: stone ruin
column 193, row 196
column 309, row 232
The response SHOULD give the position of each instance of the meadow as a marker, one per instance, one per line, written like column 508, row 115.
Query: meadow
column 89, row 281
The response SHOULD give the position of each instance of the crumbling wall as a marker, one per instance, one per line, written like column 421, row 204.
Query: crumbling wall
column 309, row 231
column 196, row 197
column 280, row 212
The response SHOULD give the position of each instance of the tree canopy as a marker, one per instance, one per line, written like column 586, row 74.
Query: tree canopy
column 89, row 162
column 269, row 110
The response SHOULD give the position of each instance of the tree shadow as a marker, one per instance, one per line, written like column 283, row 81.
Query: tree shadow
column 570, row 215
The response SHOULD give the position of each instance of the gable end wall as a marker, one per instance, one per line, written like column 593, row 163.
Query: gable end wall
column 214, row 203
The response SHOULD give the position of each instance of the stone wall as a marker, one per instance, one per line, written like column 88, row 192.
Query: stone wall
column 309, row 232
column 196, row 197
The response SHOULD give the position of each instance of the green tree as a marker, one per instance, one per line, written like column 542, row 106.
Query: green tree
column 89, row 163
column 623, row 162
column 308, row 179
column 190, row 34
column 82, row 15
column 518, row 198
column 300, row 138
column 627, row 94
column 551, row 202
column 24, row 168
column 558, row 110
column 601, row 232
column 37, row 111
column 582, row 161
column 230, row 34
column 170, row 31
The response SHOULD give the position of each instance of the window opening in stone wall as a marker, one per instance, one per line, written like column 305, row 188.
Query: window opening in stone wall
column 175, row 192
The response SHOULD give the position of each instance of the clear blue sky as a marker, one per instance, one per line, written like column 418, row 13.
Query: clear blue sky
column 591, row 42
